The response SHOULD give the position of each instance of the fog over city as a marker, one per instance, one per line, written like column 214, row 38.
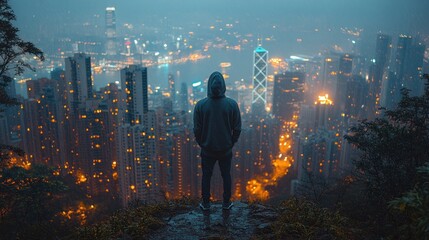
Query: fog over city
column 385, row 15
column 328, row 99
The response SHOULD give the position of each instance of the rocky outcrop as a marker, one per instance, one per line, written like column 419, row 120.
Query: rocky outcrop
column 243, row 221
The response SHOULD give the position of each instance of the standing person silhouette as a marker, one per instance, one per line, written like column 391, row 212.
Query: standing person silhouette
column 217, row 127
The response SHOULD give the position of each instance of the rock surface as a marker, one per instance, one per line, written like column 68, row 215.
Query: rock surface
column 243, row 221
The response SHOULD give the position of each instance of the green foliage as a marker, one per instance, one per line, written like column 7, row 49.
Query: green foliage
column 27, row 197
column 135, row 222
column 302, row 219
column 413, row 207
column 391, row 149
column 13, row 51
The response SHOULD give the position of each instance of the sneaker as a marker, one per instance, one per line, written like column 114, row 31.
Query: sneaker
column 205, row 206
column 227, row 205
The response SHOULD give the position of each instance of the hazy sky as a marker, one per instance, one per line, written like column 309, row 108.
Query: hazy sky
column 409, row 16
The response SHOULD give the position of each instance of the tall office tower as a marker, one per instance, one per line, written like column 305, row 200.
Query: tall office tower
column 110, row 31
column 138, row 172
column 134, row 94
column 79, row 81
column 183, row 101
column 288, row 95
column 377, row 71
column 396, row 80
column 259, row 92
column 413, row 69
column 402, row 52
column 344, row 76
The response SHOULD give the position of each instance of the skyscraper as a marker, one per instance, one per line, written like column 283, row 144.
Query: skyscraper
column 406, row 72
column 137, row 164
column 171, row 85
column 402, row 52
column 134, row 90
column 377, row 72
column 395, row 80
column 329, row 75
column 356, row 92
column 79, row 80
column 344, row 76
column 110, row 31
column 183, row 101
column 413, row 69
column 259, row 92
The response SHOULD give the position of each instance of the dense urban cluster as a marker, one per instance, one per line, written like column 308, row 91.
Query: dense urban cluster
column 135, row 141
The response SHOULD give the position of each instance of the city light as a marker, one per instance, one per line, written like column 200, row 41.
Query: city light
column 257, row 187
column 324, row 100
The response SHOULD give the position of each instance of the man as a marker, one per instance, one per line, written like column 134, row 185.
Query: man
column 217, row 126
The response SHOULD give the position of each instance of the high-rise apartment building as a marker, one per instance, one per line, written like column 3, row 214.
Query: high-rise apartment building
column 137, row 150
column 79, row 80
column 138, row 165
column 134, row 91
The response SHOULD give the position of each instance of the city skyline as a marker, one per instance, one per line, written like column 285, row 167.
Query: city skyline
column 129, row 134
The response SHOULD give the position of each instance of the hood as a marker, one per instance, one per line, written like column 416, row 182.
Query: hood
column 216, row 86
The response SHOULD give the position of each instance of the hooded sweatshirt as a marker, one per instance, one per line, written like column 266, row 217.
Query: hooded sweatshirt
column 217, row 120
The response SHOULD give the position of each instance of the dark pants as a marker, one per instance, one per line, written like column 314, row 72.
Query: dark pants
column 208, row 161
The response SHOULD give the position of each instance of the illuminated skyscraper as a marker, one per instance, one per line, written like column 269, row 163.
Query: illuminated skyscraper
column 134, row 90
column 110, row 31
column 259, row 92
